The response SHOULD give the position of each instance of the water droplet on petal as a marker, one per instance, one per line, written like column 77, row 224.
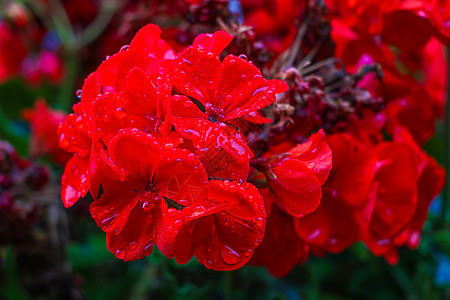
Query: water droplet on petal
column 75, row 170
column 248, row 253
column 124, row 48
column 259, row 222
column 229, row 256
column 78, row 94
column 171, row 212
column 120, row 254
column 243, row 56
column 133, row 245
column 119, row 113
column 184, row 202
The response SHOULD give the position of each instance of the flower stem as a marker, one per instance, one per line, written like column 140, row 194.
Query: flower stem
column 228, row 283
column 67, row 92
column 446, row 139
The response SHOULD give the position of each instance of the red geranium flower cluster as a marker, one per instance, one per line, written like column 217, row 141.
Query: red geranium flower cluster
column 177, row 150
column 415, row 68
column 162, row 134
column 377, row 192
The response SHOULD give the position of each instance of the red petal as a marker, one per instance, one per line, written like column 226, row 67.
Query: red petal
column 181, row 176
column 257, row 118
column 242, row 90
column 222, row 164
column 430, row 183
column 112, row 73
column 281, row 249
column 182, row 107
column 230, row 242
column 315, row 154
column 242, row 200
column 330, row 227
column 213, row 232
column 135, row 152
column 136, row 238
column 214, row 43
column 196, row 74
column 351, row 160
column 296, row 187
column 73, row 135
column 110, row 114
column 210, row 139
column 397, row 194
column 398, row 26
column 147, row 39
column 141, row 93
column 111, row 211
column 75, row 180
column 89, row 92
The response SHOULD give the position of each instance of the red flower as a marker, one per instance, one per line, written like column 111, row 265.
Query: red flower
column 430, row 183
column 155, row 178
column 162, row 197
column 77, row 134
column 216, row 99
column 363, row 30
column 273, row 21
column 223, row 231
column 74, row 137
column 12, row 52
column 46, row 66
column 400, row 203
column 144, row 144
column 44, row 125
column 296, row 177
column 332, row 227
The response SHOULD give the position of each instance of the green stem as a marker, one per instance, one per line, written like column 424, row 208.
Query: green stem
column 67, row 89
column 92, row 32
column 446, row 139
column 228, row 285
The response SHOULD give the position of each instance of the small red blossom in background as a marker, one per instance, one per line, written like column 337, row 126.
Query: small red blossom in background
column 12, row 53
column 44, row 123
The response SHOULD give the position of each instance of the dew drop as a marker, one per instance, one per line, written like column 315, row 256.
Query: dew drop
column 75, row 170
column 248, row 253
column 198, row 211
column 147, row 206
column 119, row 113
column 120, row 254
column 78, row 94
column 229, row 256
column 243, row 56
column 172, row 212
column 133, row 245
column 124, row 48
column 259, row 222
column 184, row 202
